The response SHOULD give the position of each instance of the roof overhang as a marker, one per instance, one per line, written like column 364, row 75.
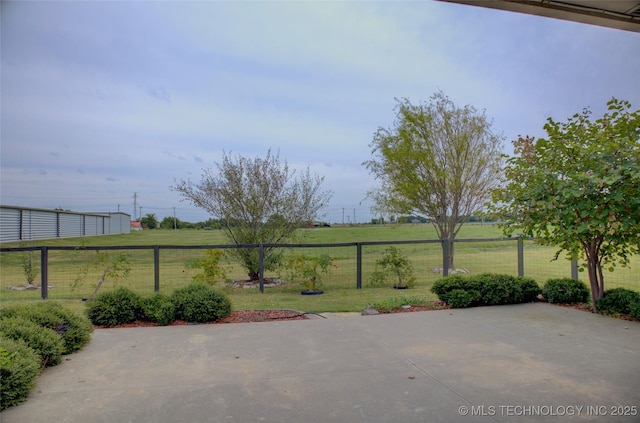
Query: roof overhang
column 618, row 14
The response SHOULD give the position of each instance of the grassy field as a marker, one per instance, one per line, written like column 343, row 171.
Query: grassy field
column 74, row 274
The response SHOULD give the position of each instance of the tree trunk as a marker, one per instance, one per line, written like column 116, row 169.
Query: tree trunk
column 596, row 281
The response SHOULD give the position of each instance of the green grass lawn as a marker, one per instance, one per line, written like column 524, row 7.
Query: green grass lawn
column 74, row 274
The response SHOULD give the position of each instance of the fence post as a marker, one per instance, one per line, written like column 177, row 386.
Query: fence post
column 520, row 256
column 261, row 266
column 358, row 265
column 574, row 270
column 156, row 267
column 445, row 257
column 44, row 272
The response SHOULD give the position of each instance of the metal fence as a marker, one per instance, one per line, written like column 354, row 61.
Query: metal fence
column 74, row 270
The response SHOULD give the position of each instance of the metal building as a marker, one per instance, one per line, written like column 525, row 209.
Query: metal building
column 29, row 224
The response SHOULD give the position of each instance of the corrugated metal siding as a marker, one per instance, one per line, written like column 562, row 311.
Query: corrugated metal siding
column 71, row 225
column 90, row 225
column 25, row 224
column 9, row 225
column 42, row 225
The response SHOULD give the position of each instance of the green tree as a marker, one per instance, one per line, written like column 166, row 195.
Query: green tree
column 150, row 221
column 257, row 201
column 438, row 161
column 579, row 189
column 170, row 222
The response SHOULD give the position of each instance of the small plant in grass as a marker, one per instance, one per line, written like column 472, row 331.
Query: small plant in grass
column 391, row 304
column 212, row 270
column 29, row 265
column 113, row 266
column 116, row 307
column 200, row 303
column 565, row 291
column 309, row 270
column 395, row 266
column 44, row 341
column 618, row 301
column 159, row 309
column 19, row 368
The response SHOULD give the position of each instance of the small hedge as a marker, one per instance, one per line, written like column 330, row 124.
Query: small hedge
column 113, row 308
column 485, row 289
column 618, row 301
column 44, row 341
column 159, row 309
column 200, row 303
column 74, row 329
column 565, row 291
column 19, row 368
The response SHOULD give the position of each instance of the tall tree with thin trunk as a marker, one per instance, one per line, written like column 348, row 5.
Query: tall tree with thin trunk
column 258, row 201
column 438, row 161
column 579, row 189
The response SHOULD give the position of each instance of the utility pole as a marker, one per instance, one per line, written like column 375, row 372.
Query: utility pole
column 135, row 205
column 343, row 216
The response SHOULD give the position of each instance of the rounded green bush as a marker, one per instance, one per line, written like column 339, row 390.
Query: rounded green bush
column 19, row 368
column 444, row 286
column 74, row 329
column 159, row 309
column 460, row 298
column 499, row 289
column 618, row 300
column 565, row 290
column 529, row 288
column 200, row 303
column 634, row 310
column 112, row 308
column 44, row 341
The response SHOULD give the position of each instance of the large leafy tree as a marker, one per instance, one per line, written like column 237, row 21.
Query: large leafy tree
column 258, row 201
column 438, row 161
column 579, row 189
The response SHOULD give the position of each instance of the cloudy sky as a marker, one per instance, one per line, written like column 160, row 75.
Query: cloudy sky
column 101, row 100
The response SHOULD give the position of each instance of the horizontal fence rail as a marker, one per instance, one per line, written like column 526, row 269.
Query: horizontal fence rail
column 507, row 255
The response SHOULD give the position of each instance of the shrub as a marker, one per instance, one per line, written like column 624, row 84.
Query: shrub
column 159, row 309
column 634, row 310
column 529, row 288
column 618, row 300
column 444, row 286
column 565, row 290
column 394, row 266
column 200, row 303
column 461, row 298
column 74, row 329
column 19, row 368
column 499, row 289
column 112, row 308
column 44, row 341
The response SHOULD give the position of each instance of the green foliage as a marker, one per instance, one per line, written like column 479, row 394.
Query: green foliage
column 395, row 266
column 200, row 303
column 19, row 368
column 391, row 304
column 618, row 300
column 159, row 309
column 212, row 269
column 74, row 329
column 112, row 308
column 149, row 221
column 46, row 342
column 565, row 291
column 309, row 270
column 485, row 289
column 114, row 266
column 30, row 265
column 439, row 162
column 258, row 201
column 578, row 189
column 461, row 298
column 634, row 310
column 529, row 288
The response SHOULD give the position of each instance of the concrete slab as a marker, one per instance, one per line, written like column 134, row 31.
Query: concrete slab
column 524, row 363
